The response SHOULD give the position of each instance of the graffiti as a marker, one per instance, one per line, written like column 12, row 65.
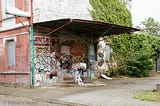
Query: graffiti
column 44, row 63
column 78, row 50
column 42, row 50
column 41, row 78
column 101, row 60
column 41, row 41
column 65, row 61
column 78, row 58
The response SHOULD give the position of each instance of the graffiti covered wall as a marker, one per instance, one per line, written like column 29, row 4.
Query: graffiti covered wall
column 53, row 54
column 41, row 58
column 79, row 53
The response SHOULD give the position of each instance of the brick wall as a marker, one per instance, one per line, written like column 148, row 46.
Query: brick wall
column 21, row 76
column 22, row 5
column 0, row 14
column 15, row 80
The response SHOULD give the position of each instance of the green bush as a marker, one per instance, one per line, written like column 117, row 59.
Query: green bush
column 112, row 72
column 140, row 66
column 135, row 54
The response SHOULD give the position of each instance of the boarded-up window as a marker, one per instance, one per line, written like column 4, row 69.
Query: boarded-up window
column 11, row 52
column 108, row 52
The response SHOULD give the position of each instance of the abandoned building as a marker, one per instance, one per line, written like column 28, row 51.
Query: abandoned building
column 38, row 39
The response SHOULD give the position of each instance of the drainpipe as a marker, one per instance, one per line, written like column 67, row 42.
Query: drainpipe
column 31, row 46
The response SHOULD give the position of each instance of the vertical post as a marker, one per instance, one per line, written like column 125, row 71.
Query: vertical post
column 91, row 58
column 90, row 73
column 32, row 55
column 31, row 46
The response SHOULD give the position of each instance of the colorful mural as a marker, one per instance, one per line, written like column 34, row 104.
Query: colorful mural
column 59, row 57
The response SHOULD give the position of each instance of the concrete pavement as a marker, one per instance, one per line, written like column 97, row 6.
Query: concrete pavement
column 114, row 93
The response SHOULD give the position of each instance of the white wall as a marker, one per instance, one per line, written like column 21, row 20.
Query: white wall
column 9, row 21
column 45, row 10
column 102, row 50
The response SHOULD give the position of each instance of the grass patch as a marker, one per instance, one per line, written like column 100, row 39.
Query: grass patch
column 2, row 95
column 148, row 96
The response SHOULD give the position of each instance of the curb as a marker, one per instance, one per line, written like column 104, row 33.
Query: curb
column 97, row 84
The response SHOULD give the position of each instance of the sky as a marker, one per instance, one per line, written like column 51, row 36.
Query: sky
column 142, row 9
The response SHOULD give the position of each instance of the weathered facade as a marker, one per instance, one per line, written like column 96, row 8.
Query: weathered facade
column 61, row 52
column 57, row 39
column 14, row 46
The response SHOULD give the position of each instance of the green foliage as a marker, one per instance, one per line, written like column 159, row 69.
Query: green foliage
column 148, row 96
column 111, row 11
column 139, row 66
column 151, row 26
column 133, row 54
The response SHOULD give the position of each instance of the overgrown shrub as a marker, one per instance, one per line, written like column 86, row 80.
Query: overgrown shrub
column 139, row 66
column 135, row 54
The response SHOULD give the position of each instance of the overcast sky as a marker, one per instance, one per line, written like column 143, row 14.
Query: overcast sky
column 142, row 9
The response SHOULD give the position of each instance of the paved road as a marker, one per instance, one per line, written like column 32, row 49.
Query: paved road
column 115, row 93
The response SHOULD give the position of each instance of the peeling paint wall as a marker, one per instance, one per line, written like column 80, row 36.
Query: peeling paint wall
column 102, row 55
column 45, row 10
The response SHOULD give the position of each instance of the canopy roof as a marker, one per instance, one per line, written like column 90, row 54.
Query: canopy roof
column 86, row 27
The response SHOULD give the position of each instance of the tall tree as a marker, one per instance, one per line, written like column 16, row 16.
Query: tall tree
column 116, row 12
column 151, row 26
column 111, row 11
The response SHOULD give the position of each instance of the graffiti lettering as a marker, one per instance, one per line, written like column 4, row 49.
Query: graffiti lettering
column 41, row 40
column 78, row 58
column 45, row 63
column 42, row 50
column 42, row 59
